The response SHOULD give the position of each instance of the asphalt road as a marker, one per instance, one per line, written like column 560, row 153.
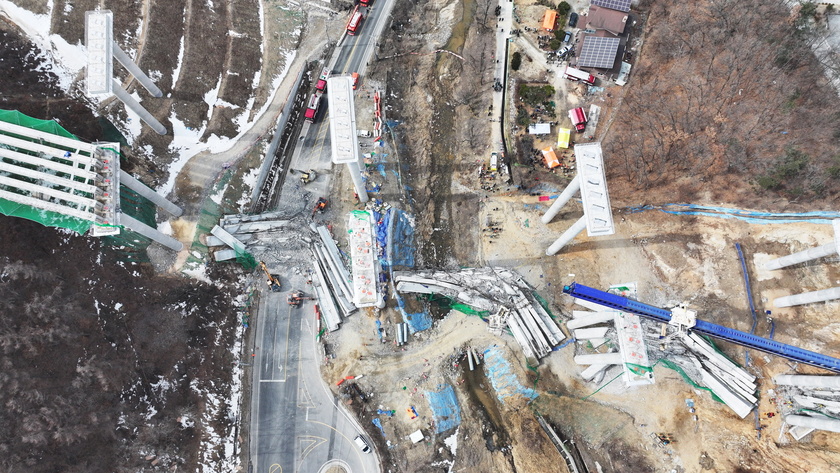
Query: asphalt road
column 352, row 56
column 296, row 425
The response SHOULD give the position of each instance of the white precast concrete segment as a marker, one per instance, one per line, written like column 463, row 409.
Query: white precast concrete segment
column 599, row 359
column 587, row 320
column 39, row 161
column 328, row 310
column 356, row 176
column 228, row 239
column 414, row 287
column 694, row 341
column 134, row 70
column 733, row 383
column 735, row 402
column 565, row 196
column 587, row 333
column 802, row 380
column 99, row 33
column 224, row 255
column 135, row 106
column 811, row 253
column 337, row 271
column 567, row 236
column 58, row 194
column 335, row 261
column 592, row 370
column 808, row 297
column 46, row 205
column 518, row 334
column 815, row 403
column 831, row 425
column 593, row 189
column 343, row 301
column 129, row 181
column 137, row 226
column 52, row 178
column 532, row 332
column 556, row 335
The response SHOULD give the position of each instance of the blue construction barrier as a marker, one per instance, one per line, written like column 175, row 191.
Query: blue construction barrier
column 445, row 408
column 820, row 217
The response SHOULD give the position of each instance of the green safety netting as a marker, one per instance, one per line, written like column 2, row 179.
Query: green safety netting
column 208, row 218
column 447, row 302
column 44, row 217
column 133, row 245
column 671, row 365
column 543, row 303
column 47, row 126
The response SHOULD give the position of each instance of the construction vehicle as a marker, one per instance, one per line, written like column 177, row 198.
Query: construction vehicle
column 296, row 298
column 319, row 206
column 273, row 280
column 308, row 176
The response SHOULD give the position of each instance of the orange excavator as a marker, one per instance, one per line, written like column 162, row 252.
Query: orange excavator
column 273, row 280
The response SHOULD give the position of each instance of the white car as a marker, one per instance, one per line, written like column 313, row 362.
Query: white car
column 363, row 446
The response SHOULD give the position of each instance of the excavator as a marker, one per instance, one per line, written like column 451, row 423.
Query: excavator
column 296, row 298
column 273, row 280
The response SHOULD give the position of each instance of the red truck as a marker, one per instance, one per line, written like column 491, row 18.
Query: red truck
column 355, row 22
column 366, row 3
column 578, row 117
column 577, row 75
column 321, row 85
column 312, row 108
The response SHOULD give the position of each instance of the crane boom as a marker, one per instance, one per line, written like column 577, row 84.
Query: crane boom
column 738, row 337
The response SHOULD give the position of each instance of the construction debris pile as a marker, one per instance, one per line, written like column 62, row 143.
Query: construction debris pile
column 248, row 234
column 500, row 294
column 809, row 403
column 690, row 354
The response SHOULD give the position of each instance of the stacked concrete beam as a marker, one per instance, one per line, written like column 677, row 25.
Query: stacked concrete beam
column 731, row 383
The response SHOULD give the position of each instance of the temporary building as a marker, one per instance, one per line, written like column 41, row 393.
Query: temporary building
column 563, row 136
column 539, row 129
column 550, row 158
column 549, row 20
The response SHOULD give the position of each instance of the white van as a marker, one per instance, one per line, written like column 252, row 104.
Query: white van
column 363, row 446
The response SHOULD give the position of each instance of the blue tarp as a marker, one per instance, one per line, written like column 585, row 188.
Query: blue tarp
column 378, row 423
column 401, row 252
column 503, row 380
column 417, row 322
column 445, row 408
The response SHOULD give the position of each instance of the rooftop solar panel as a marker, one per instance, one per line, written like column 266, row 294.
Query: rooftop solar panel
column 620, row 5
column 598, row 52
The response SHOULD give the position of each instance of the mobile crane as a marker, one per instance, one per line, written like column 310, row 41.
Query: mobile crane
column 273, row 280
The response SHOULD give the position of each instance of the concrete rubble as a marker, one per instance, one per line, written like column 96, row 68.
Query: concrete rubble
column 502, row 293
column 810, row 403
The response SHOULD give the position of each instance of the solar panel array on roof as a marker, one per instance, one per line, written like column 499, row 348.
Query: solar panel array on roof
column 598, row 52
column 620, row 5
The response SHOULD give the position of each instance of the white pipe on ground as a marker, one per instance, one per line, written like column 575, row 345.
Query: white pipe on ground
column 802, row 380
column 831, row 425
column 808, row 297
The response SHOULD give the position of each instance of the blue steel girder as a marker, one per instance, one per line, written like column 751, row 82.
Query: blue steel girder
column 737, row 337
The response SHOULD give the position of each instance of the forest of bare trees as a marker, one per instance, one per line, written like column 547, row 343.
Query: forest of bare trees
column 100, row 363
column 727, row 91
